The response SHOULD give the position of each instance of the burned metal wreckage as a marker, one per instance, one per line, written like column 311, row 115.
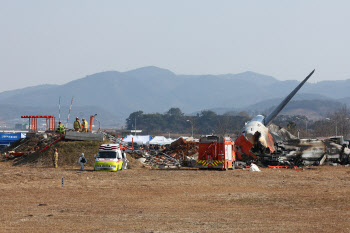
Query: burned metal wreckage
column 291, row 151
column 270, row 144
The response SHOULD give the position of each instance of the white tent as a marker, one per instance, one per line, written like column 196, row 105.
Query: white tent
column 160, row 140
column 141, row 140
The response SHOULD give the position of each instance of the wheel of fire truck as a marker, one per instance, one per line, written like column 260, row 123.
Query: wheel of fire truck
column 233, row 165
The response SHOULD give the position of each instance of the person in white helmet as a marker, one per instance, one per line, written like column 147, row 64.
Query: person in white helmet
column 125, row 160
column 82, row 161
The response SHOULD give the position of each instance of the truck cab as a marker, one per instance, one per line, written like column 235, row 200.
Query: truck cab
column 109, row 158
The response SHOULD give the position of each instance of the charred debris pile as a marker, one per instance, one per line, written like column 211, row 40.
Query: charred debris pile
column 298, row 152
column 34, row 142
column 180, row 153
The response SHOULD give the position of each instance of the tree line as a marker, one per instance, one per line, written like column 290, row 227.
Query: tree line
column 336, row 123
column 175, row 121
column 208, row 122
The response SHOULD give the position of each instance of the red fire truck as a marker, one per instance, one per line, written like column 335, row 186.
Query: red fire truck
column 216, row 152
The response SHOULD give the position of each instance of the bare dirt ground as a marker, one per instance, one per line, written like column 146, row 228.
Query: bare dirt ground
column 184, row 200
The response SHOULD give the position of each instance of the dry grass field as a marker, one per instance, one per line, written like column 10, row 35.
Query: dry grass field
column 184, row 200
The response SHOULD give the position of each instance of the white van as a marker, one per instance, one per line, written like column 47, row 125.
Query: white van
column 109, row 158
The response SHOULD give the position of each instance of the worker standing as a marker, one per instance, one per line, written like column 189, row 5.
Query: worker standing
column 125, row 160
column 82, row 161
column 60, row 128
column 85, row 126
column 55, row 158
column 77, row 124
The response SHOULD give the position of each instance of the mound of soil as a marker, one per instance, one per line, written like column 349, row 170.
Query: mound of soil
column 68, row 155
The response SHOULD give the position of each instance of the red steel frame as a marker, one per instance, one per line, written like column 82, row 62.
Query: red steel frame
column 33, row 122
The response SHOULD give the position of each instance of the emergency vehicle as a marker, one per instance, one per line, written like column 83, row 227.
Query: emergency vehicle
column 216, row 152
column 109, row 158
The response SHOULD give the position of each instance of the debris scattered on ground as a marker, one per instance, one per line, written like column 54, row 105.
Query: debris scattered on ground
column 30, row 144
column 180, row 153
column 254, row 168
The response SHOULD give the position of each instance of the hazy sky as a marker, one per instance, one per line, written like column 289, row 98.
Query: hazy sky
column 59, row 41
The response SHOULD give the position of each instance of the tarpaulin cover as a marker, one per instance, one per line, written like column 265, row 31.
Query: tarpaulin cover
column 138, row 139
column 160, row 140
column 9, row 138
column 254, row 168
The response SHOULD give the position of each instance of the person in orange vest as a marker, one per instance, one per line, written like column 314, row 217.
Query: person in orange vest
column 85, row 126
column 77, row 124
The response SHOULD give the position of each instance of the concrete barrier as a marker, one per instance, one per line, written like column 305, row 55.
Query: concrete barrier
column 70, row 135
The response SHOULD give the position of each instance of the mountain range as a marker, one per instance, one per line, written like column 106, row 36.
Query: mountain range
column 114, row 95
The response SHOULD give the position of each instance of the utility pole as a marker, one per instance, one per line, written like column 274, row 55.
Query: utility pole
column 336, row 129
column 336, row 125
column 135, row 126
column 306, row 128
column 191, row 125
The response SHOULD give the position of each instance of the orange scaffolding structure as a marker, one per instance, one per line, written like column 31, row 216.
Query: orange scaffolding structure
column 33, row 122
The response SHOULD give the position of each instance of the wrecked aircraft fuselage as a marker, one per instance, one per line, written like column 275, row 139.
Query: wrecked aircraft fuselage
column 258, row 135
column 255, row 136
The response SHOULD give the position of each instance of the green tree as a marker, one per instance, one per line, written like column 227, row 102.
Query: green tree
column 175, row 120
column 135, row 116
column 176, row 112
column 208, row 121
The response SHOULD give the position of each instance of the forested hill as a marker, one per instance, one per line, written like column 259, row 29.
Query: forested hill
column 152, row 89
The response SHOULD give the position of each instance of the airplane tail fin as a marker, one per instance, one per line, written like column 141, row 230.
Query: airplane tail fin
column 279, row 108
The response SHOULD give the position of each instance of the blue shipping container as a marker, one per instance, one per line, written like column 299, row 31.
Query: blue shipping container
column 9, row 138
